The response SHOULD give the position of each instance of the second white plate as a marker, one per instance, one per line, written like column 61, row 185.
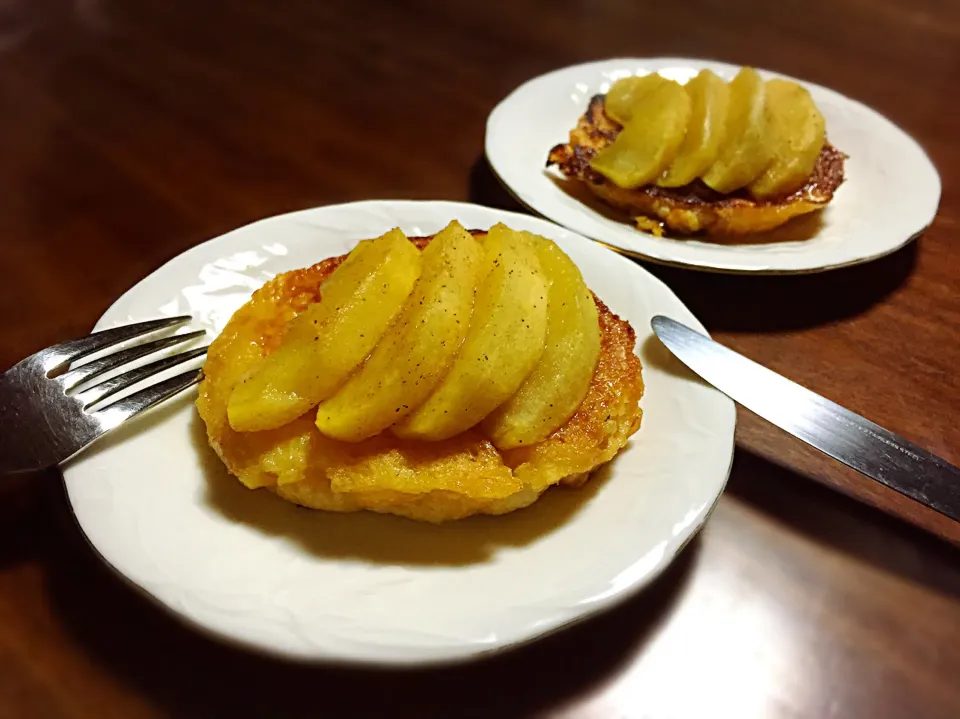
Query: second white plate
column 890, row 195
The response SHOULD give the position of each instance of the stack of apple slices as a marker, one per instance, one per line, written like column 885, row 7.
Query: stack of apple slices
column 762, row 136
column 498, row 332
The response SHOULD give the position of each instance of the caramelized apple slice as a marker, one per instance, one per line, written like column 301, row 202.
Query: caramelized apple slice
column 744, row 152
column 504, row 343
column 649, row 141
column 709, row 100
column 418, row 350
column 559, row 382
column 797, row 134
column 625, row 93
column 330, row 338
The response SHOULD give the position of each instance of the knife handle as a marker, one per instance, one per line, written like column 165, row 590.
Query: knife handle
column 895, row 504
column 760, row 438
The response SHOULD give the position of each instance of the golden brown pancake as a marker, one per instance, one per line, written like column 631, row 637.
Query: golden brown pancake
column 694, row 208
column 431, row 481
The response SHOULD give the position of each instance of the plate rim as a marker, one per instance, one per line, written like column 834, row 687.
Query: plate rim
column 713, row 267
column 462, row 652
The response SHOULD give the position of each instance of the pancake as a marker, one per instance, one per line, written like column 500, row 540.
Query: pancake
column 429, row 481
column 694, row 208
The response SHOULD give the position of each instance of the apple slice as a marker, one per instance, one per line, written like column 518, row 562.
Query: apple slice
column 648, row 143
column 418, row 350
column 797, row 134
column 330, row 338
column 503, row 345
column 709, row 100
column 560, row 380
column 620, row 99
column 744, row 152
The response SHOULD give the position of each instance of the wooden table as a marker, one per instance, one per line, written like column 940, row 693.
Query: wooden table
column 132, row 131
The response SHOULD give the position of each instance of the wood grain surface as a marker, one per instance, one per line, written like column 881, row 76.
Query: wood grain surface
column 130, row 131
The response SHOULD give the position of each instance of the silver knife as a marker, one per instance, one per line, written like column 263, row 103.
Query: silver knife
column 867, row 447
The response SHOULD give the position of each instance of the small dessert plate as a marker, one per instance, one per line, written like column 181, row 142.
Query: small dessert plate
column 246, row 567
column 890, row 194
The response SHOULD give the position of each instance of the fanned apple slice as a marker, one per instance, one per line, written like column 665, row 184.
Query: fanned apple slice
column 504, row 343
column 797, row 134
column 560, row 380
column 418, row 350
column 647, row 144
column 709, row 100
column 745, row 152
column 329, row 339
column 620, row 99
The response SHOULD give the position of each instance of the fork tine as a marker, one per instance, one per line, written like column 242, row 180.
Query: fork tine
column 101, row 391
column 89, row 371
column 72, row 350
column 123, row 409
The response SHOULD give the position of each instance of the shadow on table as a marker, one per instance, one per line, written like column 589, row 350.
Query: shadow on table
column 771, row 303
column 190, row 675
column 24, row 524
column 843, row 523
column 754, row 303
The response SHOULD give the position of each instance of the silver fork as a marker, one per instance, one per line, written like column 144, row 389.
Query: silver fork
column 44, row 420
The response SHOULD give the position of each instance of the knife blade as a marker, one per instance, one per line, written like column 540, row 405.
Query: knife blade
column 872, row 450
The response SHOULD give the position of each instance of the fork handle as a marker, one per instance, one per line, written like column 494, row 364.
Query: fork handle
column 30, row 439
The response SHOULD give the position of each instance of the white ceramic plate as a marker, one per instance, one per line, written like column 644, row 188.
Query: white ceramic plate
column 156, row 503
column 890, row 194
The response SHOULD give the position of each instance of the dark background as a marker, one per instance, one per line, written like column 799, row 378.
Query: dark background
column 131, row 131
